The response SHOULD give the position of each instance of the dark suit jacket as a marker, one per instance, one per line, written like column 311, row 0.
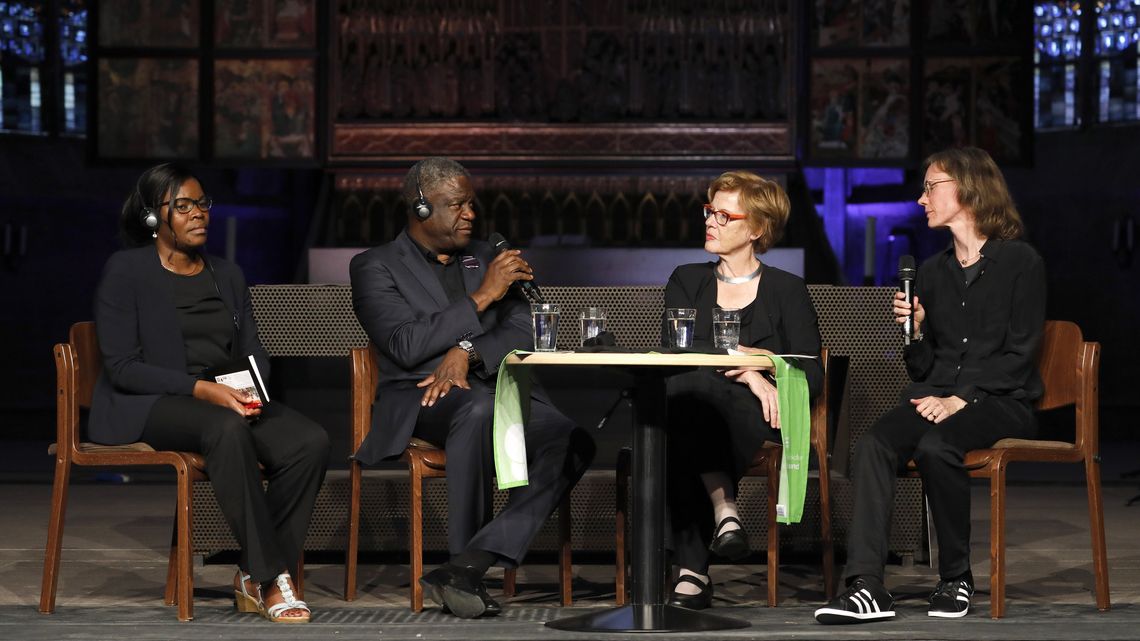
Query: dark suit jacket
column 144, row 355
column 402, row 306
column 783, row 318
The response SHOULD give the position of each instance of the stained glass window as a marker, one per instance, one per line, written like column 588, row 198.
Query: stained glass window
column 21, row 66
column 1057, row 36
column 36, row 99
column 1117, row 51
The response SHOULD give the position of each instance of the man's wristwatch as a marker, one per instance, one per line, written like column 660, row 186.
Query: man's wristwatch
column 472, row 355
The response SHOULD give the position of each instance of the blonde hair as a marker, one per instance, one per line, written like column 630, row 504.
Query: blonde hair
column 981, row 190
column 764, row 201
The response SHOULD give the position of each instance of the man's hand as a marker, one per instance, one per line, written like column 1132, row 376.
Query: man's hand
column 504, row 270
column 936, row 408
column 225, row 396
column 452, row 372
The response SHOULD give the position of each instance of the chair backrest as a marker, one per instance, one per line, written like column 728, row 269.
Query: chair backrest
column 1070, row 371
column 364, row 378
column 88, row 360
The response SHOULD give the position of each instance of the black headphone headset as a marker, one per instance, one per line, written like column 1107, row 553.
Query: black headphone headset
column 147, row 216
column 421, row 207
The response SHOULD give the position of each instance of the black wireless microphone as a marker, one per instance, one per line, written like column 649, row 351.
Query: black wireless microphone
column 906, row 286
column 529, row 289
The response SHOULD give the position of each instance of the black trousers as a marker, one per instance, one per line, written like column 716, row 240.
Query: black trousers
column 714, row 425
column 269, row 524
column 558, row 453
column 938, row 450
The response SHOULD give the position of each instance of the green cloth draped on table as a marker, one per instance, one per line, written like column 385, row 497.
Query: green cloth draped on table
column 512, row 407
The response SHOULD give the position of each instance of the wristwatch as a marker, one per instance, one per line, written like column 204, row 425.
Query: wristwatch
column 467, row 346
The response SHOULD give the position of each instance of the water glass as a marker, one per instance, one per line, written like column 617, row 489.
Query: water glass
column 593, row 322
column 545, row 317
column 726, row 328
column 681, row 323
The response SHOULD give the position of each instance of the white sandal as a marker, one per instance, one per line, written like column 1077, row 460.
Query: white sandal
column 290, row 602
column 243, row 600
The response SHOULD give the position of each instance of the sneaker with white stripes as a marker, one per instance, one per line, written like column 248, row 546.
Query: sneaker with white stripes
column 951, row 599
column 865, row 600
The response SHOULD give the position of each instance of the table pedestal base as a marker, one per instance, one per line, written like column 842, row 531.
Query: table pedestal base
column 647, row 618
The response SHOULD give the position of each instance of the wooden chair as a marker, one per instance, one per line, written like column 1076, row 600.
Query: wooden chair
column 77, row 366
column 765, row 464
column 424, row 461
column 1070, row 370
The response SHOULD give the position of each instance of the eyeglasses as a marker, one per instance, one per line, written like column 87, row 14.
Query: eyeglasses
column 186, row 205
column 928, row 186
column 722, row 216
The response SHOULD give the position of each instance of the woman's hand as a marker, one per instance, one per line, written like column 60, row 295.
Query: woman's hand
column 763, row 390
column 754, row 350
column 226, row 396
column 451, row 372
column 902, row 309
column 937, row 408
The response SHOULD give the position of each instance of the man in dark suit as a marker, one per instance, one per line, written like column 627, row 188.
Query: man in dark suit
column 440, row 309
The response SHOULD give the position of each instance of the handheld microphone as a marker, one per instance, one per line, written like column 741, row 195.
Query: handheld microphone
column 906, row 286
column 529, row 289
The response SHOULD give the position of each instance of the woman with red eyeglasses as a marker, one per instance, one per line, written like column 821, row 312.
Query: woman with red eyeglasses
column 719, row 419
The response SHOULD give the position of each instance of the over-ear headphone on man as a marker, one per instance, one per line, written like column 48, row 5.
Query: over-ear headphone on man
column 421, row 207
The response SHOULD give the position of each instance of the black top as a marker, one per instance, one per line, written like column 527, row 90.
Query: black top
column 207, row 327
column 447, row 272
column 981, row 338
column 781, row 318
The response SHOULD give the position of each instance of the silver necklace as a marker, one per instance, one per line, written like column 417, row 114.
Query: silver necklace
column 736, row 280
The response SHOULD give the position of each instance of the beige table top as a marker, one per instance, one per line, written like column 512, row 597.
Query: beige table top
column 638, row 360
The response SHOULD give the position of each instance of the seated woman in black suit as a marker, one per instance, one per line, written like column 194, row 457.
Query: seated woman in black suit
column 718, row 420
column 165, row 312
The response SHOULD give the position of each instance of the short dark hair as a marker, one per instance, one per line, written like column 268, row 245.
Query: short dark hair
column 981, row 190
column 156, row 185
column 428, row 173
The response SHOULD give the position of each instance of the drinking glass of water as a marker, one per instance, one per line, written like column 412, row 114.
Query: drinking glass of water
column 726, row 328
column 545, row 317
column 593, row 322
column 681, row 323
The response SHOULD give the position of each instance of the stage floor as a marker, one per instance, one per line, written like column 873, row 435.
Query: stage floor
column 116, row 545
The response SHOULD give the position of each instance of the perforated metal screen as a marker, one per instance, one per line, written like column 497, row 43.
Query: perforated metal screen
column 317, row 320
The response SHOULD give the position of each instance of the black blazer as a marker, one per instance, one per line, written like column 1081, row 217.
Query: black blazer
column 402, row 306
column 144, row 355
column 783, row 318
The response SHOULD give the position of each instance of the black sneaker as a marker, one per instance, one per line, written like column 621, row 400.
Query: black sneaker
column 865, row 600
column 951, row 599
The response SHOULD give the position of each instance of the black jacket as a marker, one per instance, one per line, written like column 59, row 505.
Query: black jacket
column 783, row 318
column 144, row 355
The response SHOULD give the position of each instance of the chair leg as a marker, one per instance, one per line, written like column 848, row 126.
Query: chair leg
column 170, row 597
column 565, row 565
column 416, row 534
column 1096, row 529
column 825, row 541
column 54, row 548
column 353, row 547
column 299, row 577
column 510, row 582
column 185, row 570
column 997, row 540
column 773, row 531
column 621, row 510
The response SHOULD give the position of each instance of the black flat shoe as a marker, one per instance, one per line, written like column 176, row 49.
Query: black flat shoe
column 732, row 545
column 460, row 591
column 698, row 601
